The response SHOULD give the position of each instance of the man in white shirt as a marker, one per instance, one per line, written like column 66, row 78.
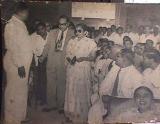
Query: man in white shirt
column 16, row 64
column 127, row 83
column 55, row 51
column 147, row 34
column 131, row 34
column 140, row 33
column 39, row 39
column 118, row 37
column 152, row 73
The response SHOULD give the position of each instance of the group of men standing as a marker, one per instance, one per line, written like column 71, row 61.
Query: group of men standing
column 17, row 61
column 20, row 51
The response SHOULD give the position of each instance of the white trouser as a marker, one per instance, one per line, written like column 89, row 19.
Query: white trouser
column 16, row 92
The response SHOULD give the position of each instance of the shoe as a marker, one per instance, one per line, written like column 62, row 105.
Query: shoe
column 67, row 120
column 49, row 109
column 26, row 121
column 61, row 111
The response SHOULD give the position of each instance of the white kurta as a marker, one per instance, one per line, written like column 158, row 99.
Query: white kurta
column 38, row 44
column 129, row 79
column 78, row 84
column 19, row 53
column 152, row 80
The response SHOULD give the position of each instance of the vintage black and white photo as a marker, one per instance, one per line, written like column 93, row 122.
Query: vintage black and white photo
column 80, row 62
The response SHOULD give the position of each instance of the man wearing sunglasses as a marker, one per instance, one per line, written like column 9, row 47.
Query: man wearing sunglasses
column 54, row 51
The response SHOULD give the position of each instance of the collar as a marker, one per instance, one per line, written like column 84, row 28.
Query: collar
column 14, row 18
column 64, row 31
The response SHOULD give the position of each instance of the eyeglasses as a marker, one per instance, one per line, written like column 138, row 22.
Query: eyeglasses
column 78, row 31
column 63, row 24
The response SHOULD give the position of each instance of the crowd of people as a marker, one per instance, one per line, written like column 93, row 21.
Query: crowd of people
column 81, row 72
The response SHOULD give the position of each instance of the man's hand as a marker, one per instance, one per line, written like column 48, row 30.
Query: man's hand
column 81, row 59
column 21, row 72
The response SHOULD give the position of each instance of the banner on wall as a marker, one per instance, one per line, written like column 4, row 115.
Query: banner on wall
column 94, row 10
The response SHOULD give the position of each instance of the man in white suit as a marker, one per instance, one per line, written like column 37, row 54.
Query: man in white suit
column 16, row 64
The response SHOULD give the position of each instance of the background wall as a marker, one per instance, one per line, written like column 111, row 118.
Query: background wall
column 139, row 14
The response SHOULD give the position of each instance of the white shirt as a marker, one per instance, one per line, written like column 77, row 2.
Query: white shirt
column 129, row 79
column 38, row 45
column 118, row 39
column 152, row 80
column 18, row 42
column 64, row 37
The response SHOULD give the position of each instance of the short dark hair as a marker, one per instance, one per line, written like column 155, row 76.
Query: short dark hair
column 84, row 26
column 21, row 6
column 127, row 54
column 129, row 39
column 64, row 17
column 145, row 88
column 153, row 54
column 40, row 24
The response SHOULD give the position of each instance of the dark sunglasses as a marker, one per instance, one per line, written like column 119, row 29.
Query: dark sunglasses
column 78, row 31
column 63, row 24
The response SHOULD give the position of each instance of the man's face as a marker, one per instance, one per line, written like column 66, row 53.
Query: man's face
column 147, row 62
column 143, row 99
column 80, row 32
column 113, row 28
column 24, row 15
column 128, row 45
column 119, row 60
column 149, row 44
column 41, row 30
column 105, row 52
column 109, row 31
column 141, row 29
column 63, row 24
column 155, row 30
column 147, row 30
column 120, row 30
column 48, row 27
column 139, row 49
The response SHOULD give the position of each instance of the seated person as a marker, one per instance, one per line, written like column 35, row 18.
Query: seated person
column 138, row 56
column 149, row 45
column 122, row 81
column 102, row 63
column 139, row 110
column 152, row 71
column 127, row 43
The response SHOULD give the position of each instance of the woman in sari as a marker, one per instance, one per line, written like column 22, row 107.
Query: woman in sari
column 80, row 52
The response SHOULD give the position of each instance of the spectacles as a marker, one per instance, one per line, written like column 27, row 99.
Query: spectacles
column 78, row 31
column 63, row 24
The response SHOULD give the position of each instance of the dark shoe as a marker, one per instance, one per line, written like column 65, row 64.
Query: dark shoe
column 61, row 111
column 49, row 109
column 26, row 121
column 68, row 120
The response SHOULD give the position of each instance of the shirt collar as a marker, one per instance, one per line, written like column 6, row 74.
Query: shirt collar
column 127, row 68
column 14, row 18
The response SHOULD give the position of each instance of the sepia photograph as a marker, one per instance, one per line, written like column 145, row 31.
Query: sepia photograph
column 77, row 62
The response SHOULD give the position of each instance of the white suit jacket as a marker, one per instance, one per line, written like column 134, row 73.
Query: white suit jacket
column 18, row 42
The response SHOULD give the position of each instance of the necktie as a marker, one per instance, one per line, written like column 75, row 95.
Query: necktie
column 115, row 88
column 110, row 66
column 59, row 42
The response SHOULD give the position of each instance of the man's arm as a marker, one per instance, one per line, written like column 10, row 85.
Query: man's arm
column 46, row 49
column 14, row 44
